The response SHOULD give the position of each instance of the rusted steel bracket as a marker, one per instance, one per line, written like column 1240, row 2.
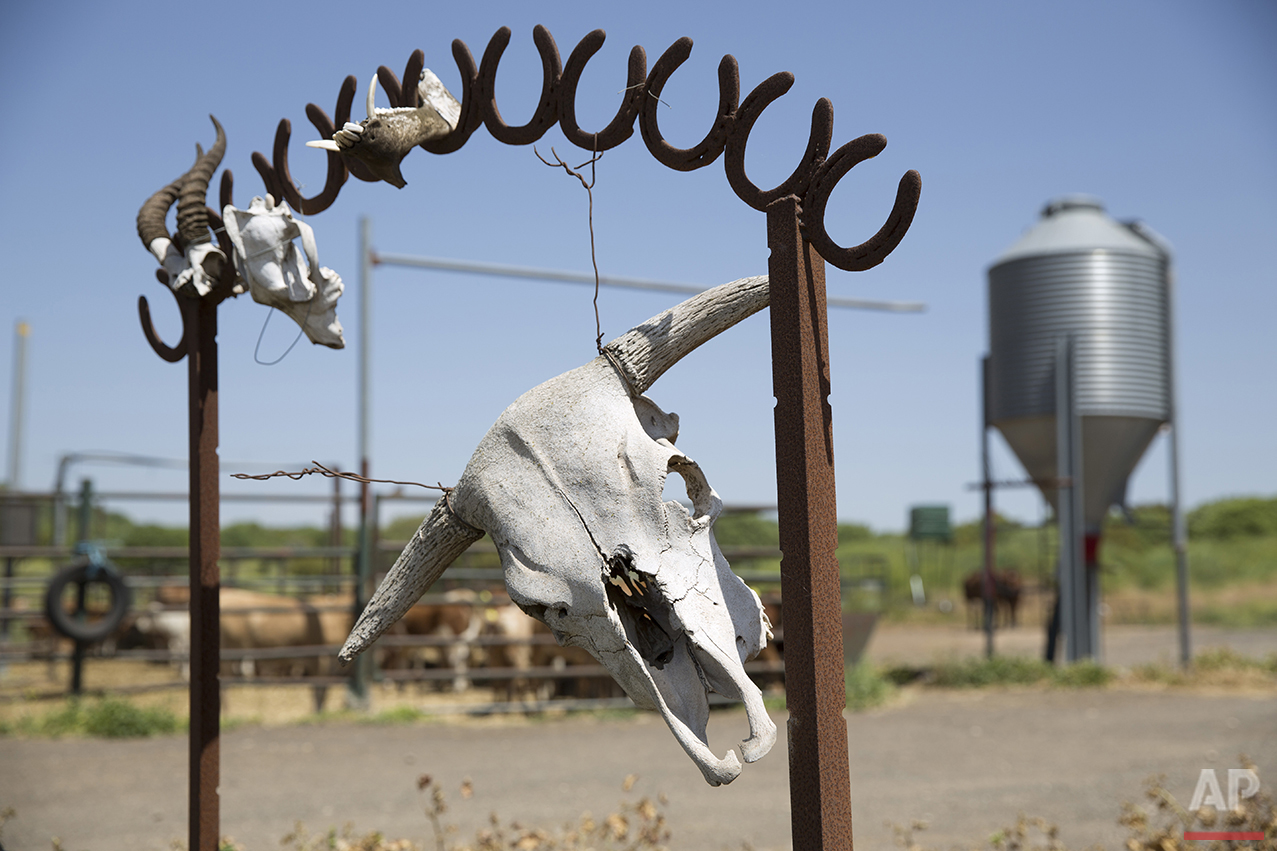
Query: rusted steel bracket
column 199, row 346
column 800, row 245
column 815, row 685
column 812, row 181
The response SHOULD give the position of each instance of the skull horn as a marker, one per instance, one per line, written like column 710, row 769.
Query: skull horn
column 192, row 220
column 441, row 538
column 644, row 353
column 150, row 218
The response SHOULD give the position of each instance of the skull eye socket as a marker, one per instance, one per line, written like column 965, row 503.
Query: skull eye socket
column 705, row 503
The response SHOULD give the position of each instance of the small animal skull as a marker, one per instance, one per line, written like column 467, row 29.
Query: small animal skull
column 195, row 270
column 279, row 273
column 385, row 137
column 268, row 263
column 568, row 483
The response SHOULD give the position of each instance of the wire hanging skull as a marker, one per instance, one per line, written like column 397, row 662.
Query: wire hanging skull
column 569, row 484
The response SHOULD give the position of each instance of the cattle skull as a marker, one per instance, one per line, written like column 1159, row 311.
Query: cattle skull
column 281, row 274
column 568, row 483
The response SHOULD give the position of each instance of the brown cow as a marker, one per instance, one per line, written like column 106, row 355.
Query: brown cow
column 1007, row 587
column 252, row 620
column 458, row 617
column 529, row 644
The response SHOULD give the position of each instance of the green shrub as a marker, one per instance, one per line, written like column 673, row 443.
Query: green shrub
column 119, row 719
column 398, row 715
column 1234, row 518
column 998, row 670
column 61, row 722
column 110, row 718
column 1017, row 670
column 1084, row 674
column 867, row 687
column 1228, row 659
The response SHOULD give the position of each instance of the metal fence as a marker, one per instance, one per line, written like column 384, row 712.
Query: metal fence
column 476, row 658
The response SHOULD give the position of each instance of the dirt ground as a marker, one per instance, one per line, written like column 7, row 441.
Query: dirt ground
column 967, row 763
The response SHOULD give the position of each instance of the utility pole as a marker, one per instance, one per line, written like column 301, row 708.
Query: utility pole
column 21, row 331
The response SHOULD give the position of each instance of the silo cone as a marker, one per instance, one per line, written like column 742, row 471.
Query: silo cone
column 1081, row 278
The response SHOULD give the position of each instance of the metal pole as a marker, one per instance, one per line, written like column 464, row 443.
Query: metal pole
column 358, row 693
column 815, row 684
column 532, row 273
column 989, row 541
column 365, row 341
column 1073, row 593
column 1179, row 535
column 86, row 532
column 21, row 332
column 60, row 503
column 334, row 526
column 200, row 321
column 86, row 509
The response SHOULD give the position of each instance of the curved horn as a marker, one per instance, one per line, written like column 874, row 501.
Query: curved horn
column 192, row 223
column 150, row 218
column 646, row 351
column 440, row 539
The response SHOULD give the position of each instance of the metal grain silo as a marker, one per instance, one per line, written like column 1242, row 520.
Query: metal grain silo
column 1078, row 376
column 1079, row 274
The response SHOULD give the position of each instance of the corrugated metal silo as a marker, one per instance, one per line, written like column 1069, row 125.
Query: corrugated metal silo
column 1078, row 273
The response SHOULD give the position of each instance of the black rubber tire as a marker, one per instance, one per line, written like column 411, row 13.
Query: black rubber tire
column 65, row 622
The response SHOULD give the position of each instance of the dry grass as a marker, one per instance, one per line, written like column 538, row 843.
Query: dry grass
column 1247, row 604
column 1157, row 825
column 29, row 690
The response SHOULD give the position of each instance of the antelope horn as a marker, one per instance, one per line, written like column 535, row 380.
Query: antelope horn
column 441, row 538
column 645, row 352
column 192, row 220
column 150, row 218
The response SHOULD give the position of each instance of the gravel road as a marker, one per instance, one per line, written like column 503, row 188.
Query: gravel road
column 965, row 762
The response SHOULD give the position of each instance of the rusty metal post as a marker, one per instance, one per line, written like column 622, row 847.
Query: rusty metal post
column 815, row 682
column 199, row 317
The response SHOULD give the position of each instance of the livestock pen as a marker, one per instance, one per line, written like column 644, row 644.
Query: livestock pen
column 464, row 648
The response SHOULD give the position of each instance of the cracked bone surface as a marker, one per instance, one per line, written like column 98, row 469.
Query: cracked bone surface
column 568, row 483
column 281, row 274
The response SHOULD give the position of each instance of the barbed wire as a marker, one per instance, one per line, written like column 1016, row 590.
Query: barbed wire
column 321, row 470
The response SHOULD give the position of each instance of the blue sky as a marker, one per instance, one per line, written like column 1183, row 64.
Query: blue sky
column 1165, row 110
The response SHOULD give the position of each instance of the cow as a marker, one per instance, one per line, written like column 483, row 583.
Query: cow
column 528, row 644
column 774, row 651
column 458, row 617
column 251, row 620
column 1007, row 587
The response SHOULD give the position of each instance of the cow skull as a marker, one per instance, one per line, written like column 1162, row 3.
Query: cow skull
column 279, row 273
column 568, row 483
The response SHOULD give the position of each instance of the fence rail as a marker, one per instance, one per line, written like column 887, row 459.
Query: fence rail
column 154, row 587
